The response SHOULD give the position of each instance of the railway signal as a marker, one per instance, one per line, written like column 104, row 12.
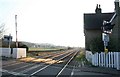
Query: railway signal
column 107, row 29
column 8, row 39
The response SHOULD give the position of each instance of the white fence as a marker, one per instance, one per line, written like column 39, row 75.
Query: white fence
column 110, row 59
column 5, row 52
column 14, row 52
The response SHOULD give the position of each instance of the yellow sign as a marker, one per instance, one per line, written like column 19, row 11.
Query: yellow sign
column 106, row 50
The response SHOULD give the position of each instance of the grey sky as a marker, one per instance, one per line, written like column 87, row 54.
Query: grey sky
column 59, row 22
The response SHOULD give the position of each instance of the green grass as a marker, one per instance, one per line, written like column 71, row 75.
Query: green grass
column 81, row 58
column 33, row 52
column 42, row 49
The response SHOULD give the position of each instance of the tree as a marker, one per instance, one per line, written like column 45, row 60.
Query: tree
column 21, row 45
column 96, row 45
column 2, row 30
column 1, row 33
column 112, row 45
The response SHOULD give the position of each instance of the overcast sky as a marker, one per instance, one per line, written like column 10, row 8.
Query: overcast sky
column 58, row 22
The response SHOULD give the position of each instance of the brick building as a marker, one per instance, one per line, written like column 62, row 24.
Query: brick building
column 94, row 21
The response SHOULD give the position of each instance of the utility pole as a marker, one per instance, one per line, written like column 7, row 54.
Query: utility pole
column 9, row 40
column 16, row 31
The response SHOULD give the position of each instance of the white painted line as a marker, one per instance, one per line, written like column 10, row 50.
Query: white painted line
column 12, row 64
column 30, row 68
column 11, row 72
column 39, row 70
column 72, row 73
column 33, row 67
column 7, row 63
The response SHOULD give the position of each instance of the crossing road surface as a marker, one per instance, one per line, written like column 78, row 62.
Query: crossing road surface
column 59, row 64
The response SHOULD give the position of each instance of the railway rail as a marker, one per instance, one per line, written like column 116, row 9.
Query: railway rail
column 31, row 68
column 37, row 57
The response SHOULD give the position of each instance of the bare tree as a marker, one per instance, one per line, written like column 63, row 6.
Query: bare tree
column 2, row 30
column 1, row 33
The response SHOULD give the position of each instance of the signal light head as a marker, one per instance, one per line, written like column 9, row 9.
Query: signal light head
column 107, row 27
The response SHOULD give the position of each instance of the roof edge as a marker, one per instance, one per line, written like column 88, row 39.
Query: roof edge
column 100, row 13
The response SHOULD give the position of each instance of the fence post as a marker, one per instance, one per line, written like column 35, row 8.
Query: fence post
column 106, row 59
column 115, row 63
column 93, row 59
column 102, row 59
column 112, row 59
column 109, row 59
column 97, row 58
column 118, row 62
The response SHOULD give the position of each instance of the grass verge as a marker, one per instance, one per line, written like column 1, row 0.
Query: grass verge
column 81, row 58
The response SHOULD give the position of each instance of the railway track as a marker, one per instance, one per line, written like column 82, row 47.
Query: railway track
column 60, row 72
column 44, row 68
column 30, row 60
column 39, row 68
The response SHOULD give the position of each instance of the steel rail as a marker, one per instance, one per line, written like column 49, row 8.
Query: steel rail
column 11, row 63
column 66, row 65
column 36, row 66
column 51, row 64
column 58, row 54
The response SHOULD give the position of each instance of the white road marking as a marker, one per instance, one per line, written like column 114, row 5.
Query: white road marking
column 72, row 73
column 7, row 63
column 30, row 68
column 40, row 70
column 13, row 64
column 11, row 72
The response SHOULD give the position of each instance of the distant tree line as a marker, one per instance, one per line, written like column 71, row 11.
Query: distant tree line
column 13, row 45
